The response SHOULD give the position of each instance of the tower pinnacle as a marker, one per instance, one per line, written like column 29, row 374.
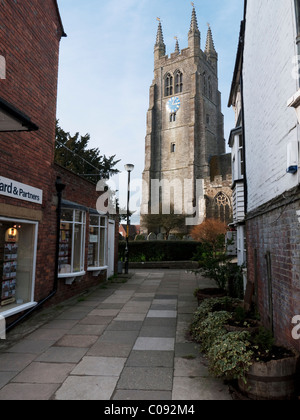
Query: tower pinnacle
column 160, row 47
column 194, row 22
column 194, row 33
column 210, row 46
column 210, row 50
column 177, row 49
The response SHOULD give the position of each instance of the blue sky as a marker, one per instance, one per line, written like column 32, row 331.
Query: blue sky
column 106, row 65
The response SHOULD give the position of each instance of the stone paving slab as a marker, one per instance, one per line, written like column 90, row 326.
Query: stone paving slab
column 100, row 366
column 93, row 388
column 151, row 359
column 44, row 373
column 152, row 344
column 145, row 378
column 62, row 355
column 127, row 342
column 28, row 392
column 137, row 395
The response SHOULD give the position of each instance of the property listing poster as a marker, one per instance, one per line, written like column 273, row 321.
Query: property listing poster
column 9, row 273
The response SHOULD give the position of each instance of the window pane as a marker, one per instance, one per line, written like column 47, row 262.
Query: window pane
column 77, row 263
column 297, row 4
column 102, row 247
column 78, row 216
column 17, row 250
column 65, row 248
column 93, row 255
column 67, row 215
column 103, row 221
column 94, row 220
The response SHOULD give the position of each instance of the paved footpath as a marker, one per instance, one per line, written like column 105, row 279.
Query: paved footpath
column 123, row 342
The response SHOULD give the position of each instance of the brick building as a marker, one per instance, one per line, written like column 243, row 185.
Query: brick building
column 44, row 253
column 269, row 42
column 185, row 161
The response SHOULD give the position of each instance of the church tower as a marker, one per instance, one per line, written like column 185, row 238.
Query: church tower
column 185, row 125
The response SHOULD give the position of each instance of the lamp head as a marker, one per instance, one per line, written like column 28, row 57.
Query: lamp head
column 129, row 168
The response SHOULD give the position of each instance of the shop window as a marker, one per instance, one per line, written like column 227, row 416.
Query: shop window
column 97, row 256
column 72, row 242
column 18, row 244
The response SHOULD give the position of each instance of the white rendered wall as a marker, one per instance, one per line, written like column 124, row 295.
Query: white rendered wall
column 268, row 84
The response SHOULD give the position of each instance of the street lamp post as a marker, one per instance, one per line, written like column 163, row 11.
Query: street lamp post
column 129, row 168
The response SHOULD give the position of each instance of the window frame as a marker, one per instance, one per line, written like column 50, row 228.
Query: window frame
column 82, row 225
column 99, row 226
column 241, row 157
column 297, row 14
column 25, row 306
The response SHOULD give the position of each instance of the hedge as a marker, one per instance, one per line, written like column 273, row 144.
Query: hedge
column 147, row 251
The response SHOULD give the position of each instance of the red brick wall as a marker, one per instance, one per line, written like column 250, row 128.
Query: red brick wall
column 82, row 192
column 277, row 232
column 30, row 33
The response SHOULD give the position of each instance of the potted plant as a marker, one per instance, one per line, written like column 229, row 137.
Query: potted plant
column 231, row 356
column 248, row 355
column 273, row 371
column 243, row 320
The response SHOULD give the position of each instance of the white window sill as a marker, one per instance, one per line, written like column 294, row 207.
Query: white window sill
column 97, row 270
column 18, row 309
column 71, row 277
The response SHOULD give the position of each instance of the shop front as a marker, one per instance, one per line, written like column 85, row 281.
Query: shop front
column 18, row 246
column 82, row 242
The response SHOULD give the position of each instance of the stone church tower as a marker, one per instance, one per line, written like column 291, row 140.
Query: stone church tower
column 185, row 127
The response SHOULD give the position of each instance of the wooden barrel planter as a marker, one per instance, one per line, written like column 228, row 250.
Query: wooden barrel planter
column 274, row 380
column 252, row 328
column 210, row 293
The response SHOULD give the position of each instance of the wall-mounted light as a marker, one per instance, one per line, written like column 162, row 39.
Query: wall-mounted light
column 12, row 235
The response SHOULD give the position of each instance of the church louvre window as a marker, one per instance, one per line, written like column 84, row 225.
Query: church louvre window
column 169, row 85
column 178, row 82
column 173, row 117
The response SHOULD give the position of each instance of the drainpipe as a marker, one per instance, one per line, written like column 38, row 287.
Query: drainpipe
column 59, row 189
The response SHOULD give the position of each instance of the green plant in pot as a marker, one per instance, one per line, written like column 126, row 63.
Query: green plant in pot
column 231, row 356
column 210, row 328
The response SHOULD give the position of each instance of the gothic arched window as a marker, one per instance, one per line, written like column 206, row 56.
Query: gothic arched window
column 178, row 82
column 222, row 206
column 169, row 85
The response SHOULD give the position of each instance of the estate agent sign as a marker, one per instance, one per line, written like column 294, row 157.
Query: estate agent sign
column 14, row 189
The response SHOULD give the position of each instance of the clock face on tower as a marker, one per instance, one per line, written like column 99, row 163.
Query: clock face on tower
column 173, row 105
